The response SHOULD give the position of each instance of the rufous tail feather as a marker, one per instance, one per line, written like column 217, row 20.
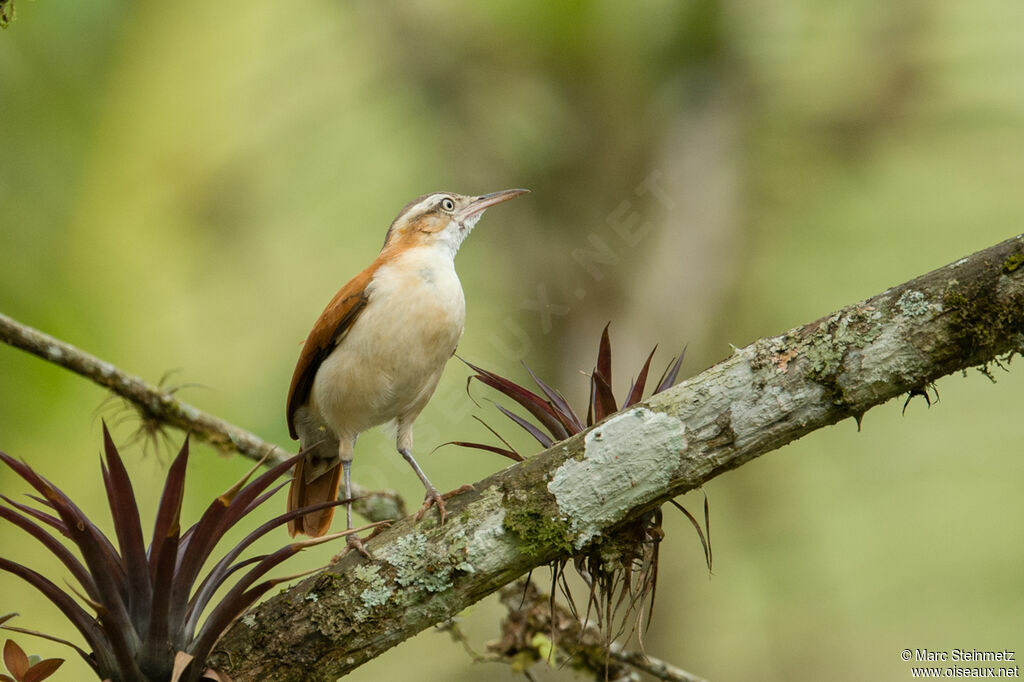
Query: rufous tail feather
column 323, row 488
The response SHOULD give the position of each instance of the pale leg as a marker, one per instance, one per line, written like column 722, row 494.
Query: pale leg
column 346, row 467
column 346, row 448
column 432, row 496
column 404, row 446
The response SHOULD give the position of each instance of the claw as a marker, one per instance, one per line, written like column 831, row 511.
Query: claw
column 353, row 542
column 433, row 497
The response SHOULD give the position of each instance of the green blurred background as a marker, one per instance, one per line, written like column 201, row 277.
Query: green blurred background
column 184, row 185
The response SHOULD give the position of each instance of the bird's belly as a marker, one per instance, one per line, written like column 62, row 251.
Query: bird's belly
column 389, row 363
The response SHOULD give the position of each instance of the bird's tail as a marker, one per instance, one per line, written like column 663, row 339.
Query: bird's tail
column 323, row 487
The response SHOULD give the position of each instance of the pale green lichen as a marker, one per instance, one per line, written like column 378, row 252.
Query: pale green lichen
column 377, row 593
column 373, row 597
column 367, row 573
column 826, row 347
column 912, row 304
column 417, row 567
column 458, row 551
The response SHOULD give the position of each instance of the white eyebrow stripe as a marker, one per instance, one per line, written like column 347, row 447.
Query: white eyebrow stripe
column 426, row 203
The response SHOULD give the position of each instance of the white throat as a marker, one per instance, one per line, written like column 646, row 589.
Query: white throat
column 456, row 233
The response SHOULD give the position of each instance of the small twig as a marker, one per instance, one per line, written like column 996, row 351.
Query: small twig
column 152, row 400
column 652, row 666
column 160, row 405
column 531, row 612
column 451, row 626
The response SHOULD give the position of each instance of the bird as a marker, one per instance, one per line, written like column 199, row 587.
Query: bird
column 377, row 352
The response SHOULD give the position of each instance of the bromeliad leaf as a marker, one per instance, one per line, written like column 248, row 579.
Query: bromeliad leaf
column 553, row 411
column 147, row 603
column 636, row 391
column 507, row 451
column 566, row 415
column 542, row 410
column 602, row 379
column 542, row 438
column 668, row 379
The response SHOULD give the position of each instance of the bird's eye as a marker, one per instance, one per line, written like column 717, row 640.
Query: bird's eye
column 447, row 205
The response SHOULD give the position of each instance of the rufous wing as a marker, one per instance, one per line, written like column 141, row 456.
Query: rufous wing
column 328, row 331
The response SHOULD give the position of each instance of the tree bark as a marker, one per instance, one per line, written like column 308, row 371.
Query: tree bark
column 966, row 314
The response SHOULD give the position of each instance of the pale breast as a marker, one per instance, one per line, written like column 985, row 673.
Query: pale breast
column 389, row 362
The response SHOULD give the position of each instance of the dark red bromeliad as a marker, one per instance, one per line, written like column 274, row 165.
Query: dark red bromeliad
column 147, row 603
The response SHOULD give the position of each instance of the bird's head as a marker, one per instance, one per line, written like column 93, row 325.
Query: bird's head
column 441, row 218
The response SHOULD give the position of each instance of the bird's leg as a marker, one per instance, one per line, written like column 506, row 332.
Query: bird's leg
column 351, row 540
column 346, row 468
column 432, row 497
column 404, row 446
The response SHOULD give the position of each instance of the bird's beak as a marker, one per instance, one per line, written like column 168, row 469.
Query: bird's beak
column 479, row 204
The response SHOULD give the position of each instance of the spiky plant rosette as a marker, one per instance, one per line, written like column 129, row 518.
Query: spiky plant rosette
column 145, row 621
column 621, row 568
column 556, row 418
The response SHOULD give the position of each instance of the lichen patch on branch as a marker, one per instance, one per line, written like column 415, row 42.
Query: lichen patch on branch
column 913, row 303
column 624, row 460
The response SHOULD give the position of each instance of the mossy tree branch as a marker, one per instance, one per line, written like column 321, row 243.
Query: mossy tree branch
column 967, row 314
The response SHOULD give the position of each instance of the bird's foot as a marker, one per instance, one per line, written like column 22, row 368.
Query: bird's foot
column 432, row 497
column 435, row 498
column 354, row 542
